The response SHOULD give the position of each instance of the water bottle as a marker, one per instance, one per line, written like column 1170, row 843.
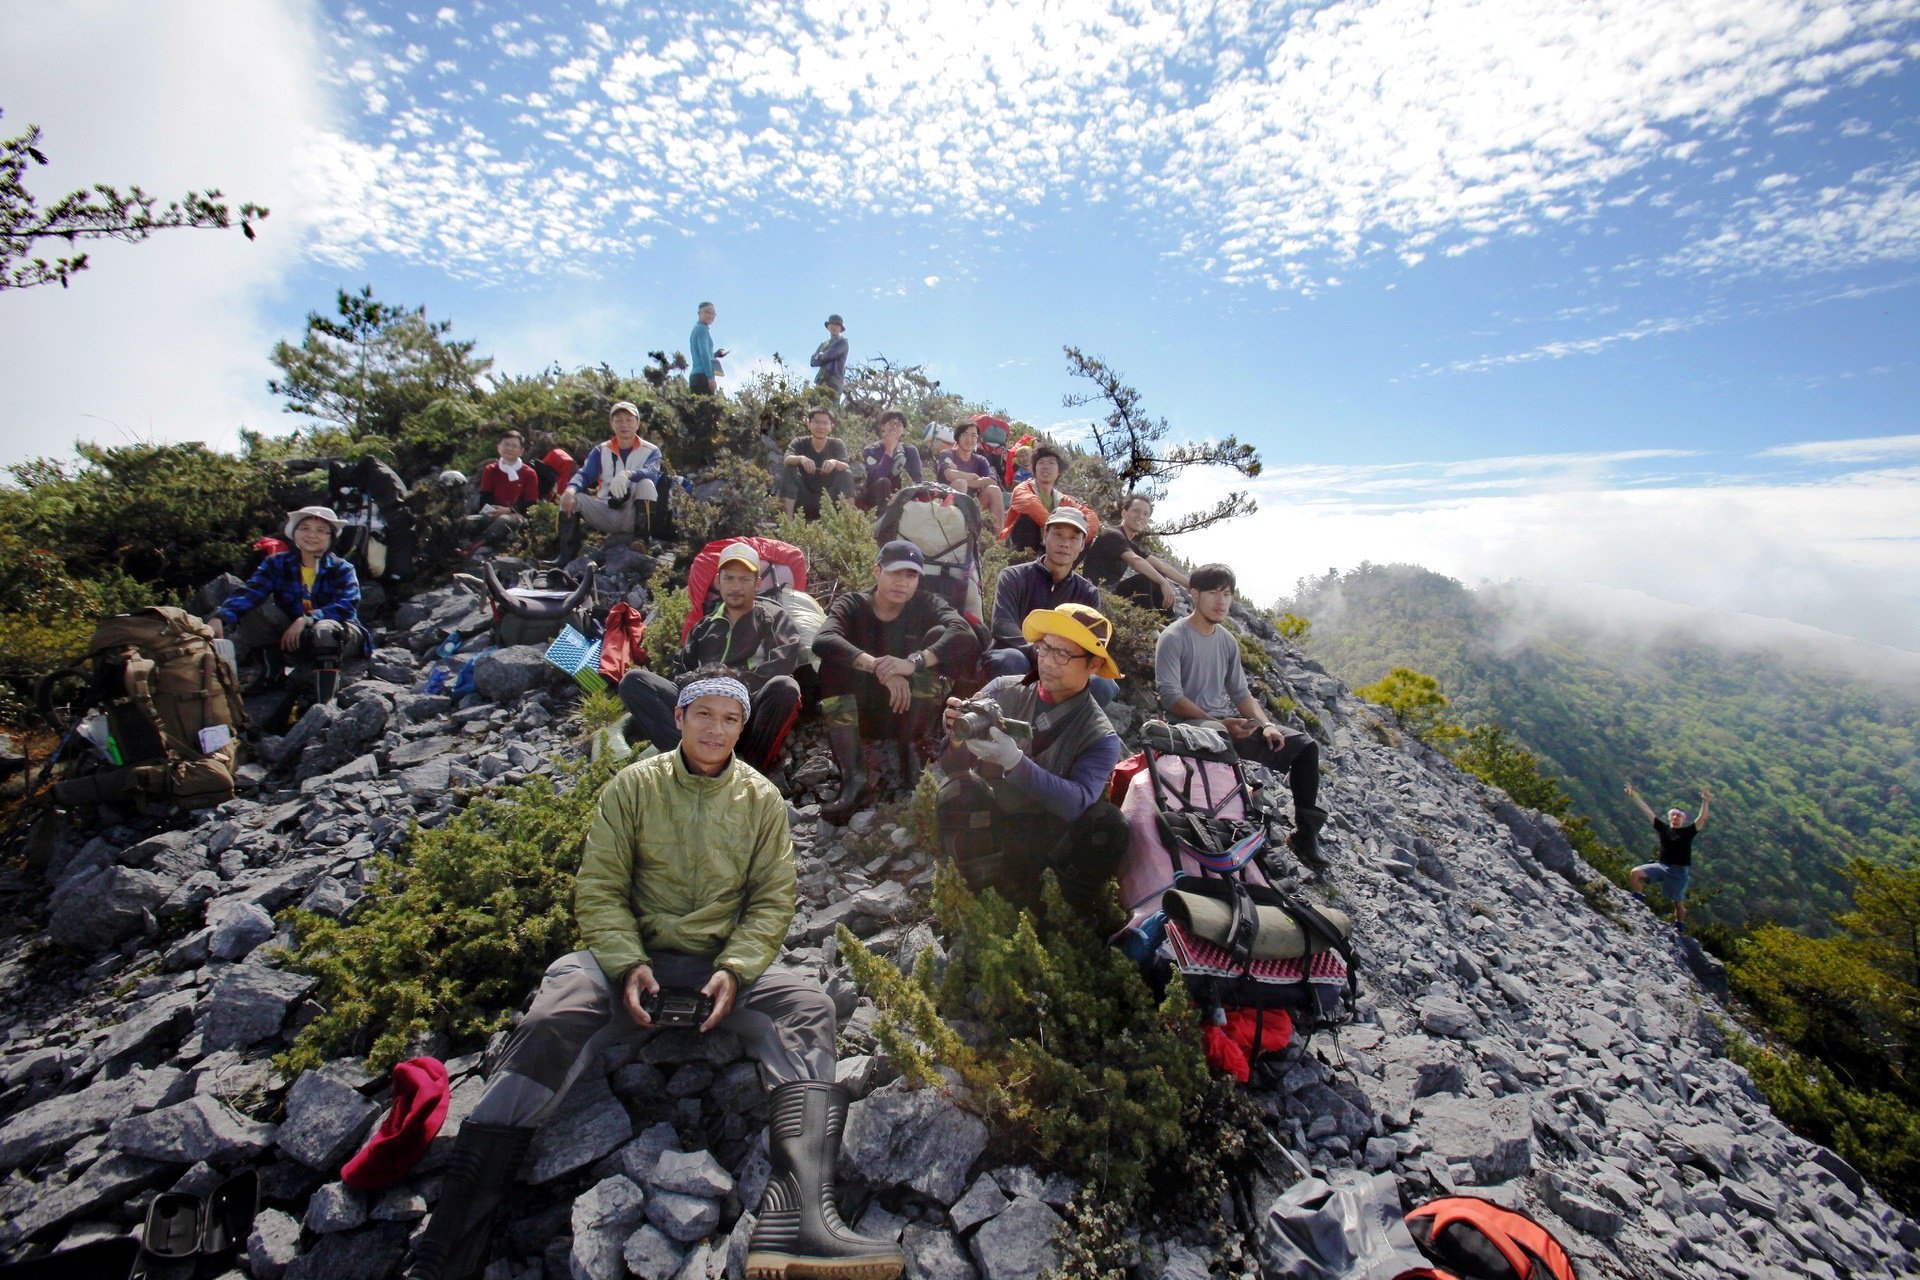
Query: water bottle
column 98, row 731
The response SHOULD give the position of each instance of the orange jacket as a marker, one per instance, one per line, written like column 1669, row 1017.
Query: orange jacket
column 1025, row 501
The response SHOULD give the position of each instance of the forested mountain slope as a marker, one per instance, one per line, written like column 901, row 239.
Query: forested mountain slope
column 1813, row 757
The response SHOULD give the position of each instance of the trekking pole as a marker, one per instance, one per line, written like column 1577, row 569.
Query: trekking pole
column 18, row 819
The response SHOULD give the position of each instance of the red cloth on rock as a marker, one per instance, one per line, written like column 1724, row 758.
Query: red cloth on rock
column 1230, row 1048
column 420, row 1097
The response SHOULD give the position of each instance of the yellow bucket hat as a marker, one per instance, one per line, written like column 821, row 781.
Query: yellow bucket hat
column 1077, row 624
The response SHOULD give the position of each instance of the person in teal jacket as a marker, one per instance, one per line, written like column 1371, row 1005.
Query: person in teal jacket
column 703, row 371
column 686, row 883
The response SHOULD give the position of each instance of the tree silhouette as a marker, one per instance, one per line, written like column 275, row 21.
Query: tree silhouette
column 94, row 213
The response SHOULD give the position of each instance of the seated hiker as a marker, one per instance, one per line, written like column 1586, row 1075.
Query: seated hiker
column 1046, row 583
column 1020, row 464
column 749, row 636
column 508, row 487
column 1011, row 807
column 888, row 465
column 686, row 884
column 304, row 602
column 1197, row 669
column 616, row 490
column 883, row 655
column 1117, row 561
column 1032, row 501
column 1673, row 866
column 964, row 468
column 815, row 464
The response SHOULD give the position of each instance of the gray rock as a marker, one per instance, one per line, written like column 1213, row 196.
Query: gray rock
column 507, row 675
column 358, row 769
column 272, row 1245
column 108, row 1183
column 1181, row 1263
column 684, row 1218
column 1496, row 1137
column 393, row 665
column 59, row 1122
column 699, row 1262
column 400, row 1205
column 651, row 1254
column 356, row 729
column 152, row 1028
column 596, row 1254
column 428, row 781
column 617, row 1203
column 326, row 1121
column 1711, row 1146
column 917, row 1137
column 249, row 1003
column 589, row 1124
column 983, row 1200
column 421, row 750
column 197, row 1129
column 1441, row 1016
column 106, row 908
column 373, row 1254
column 1583, row 1212
column 1019, row 1243
column 238, row 927
column 335, row 1208
column 639, row 1157
column 932, row 1254
column 691, row 1173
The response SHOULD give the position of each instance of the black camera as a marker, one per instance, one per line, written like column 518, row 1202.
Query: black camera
column 977, row 717
column 678, row 1007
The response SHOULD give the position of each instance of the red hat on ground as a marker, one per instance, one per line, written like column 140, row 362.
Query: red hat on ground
column 420, row 1097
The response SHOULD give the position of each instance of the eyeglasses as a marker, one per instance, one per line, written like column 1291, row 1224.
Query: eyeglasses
column 1059, row 653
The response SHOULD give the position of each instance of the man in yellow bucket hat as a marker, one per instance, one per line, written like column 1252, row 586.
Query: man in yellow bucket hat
column 1016, row 801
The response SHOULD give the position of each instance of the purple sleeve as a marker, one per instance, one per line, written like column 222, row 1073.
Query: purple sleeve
column 1081, row 789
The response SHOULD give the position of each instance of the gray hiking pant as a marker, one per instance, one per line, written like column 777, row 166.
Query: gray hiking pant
column 785, row 1019
column 602, row 518
column 262, row 626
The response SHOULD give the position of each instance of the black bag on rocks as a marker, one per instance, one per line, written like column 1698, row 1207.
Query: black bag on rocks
column 542, row 604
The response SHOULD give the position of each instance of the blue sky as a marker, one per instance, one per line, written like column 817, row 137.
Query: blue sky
column 1609, row 293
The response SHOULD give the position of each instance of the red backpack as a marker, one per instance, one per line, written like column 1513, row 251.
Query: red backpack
column 1473, row 1239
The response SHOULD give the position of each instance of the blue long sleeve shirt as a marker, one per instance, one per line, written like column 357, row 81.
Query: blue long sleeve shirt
column 700, row 350
column 335, row 595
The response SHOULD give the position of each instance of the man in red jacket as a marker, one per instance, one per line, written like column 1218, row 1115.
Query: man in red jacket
column 507, row 488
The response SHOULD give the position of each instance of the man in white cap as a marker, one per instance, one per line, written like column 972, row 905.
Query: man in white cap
column 830, row 358
column 1012, row 808
column 616, row 490
column 753, row 638
column 1045, row 583
column 685, row 892
column 304, row 602
column 885, row 657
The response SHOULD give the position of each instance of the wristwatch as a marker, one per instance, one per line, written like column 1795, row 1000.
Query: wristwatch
column 919, row 660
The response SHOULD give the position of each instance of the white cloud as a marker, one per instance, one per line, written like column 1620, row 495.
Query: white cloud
column 1841, row 553
column 1269, row 143
column 164, row 340
column 1868, row 449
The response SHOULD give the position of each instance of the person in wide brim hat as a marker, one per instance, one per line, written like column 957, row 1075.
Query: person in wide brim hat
column 1079, row 625
column 313, row 513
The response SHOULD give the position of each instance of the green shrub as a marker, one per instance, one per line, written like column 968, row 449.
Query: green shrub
column 1066, row 1053
column 667, row 619
column 742, row 504
column 1254, row 656
column 451, row 937
column 840, row 548
column 1135, row 633
column 1292, row 626
column 1416, row 702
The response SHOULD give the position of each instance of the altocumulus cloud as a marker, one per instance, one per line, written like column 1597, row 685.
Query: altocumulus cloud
column 1267, row 143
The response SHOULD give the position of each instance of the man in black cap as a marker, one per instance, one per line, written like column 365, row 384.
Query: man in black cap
column 830, row 358
column 885, row 657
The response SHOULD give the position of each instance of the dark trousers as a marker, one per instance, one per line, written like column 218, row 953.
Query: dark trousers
column 1297, row 758
column 1025, row 534
column 649, row 697
column 324, row 643
column 700, row 384
column 1140, row 589
column 1009, row 852
column 807, row 490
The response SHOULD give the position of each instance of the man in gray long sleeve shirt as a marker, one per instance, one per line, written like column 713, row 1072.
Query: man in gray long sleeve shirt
column 1197, row 671
column 1008, row 809
column 830, row 358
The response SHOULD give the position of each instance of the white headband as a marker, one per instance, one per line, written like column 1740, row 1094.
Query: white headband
column 716, row 686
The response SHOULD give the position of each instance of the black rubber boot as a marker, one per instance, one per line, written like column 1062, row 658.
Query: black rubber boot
column 856, row 789
column 916, row 732
column 572, row 534
column 799, row 1232
column 479, row 1174
column 1305, row 840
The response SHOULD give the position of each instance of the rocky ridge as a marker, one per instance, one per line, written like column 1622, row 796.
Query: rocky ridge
column 1524, row 1033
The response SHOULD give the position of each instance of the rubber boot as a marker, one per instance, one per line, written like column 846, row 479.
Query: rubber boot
column 480, row 1173
column 799, row 1232
column 916, row 729
column 1305, row 840
column 856, row 789
column 326, row 683
column 572, row 534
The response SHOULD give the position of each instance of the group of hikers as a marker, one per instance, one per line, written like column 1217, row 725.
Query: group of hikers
column 686, row 887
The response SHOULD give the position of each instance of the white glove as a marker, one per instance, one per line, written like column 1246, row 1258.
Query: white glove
column 996, row 748
column 618, row 486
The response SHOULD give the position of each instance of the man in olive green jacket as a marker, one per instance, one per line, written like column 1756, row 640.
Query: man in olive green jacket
column 686, row 883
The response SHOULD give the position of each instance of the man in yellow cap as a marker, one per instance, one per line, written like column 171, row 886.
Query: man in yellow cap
column 1010, row 807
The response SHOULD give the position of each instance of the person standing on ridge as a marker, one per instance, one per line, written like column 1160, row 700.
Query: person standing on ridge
column 1674, row 864
column 830, row 358
column 703, row 372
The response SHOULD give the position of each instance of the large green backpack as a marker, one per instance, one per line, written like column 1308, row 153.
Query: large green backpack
column 172, row 706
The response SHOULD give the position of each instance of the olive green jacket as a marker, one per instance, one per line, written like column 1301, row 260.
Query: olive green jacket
column 678, row 862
